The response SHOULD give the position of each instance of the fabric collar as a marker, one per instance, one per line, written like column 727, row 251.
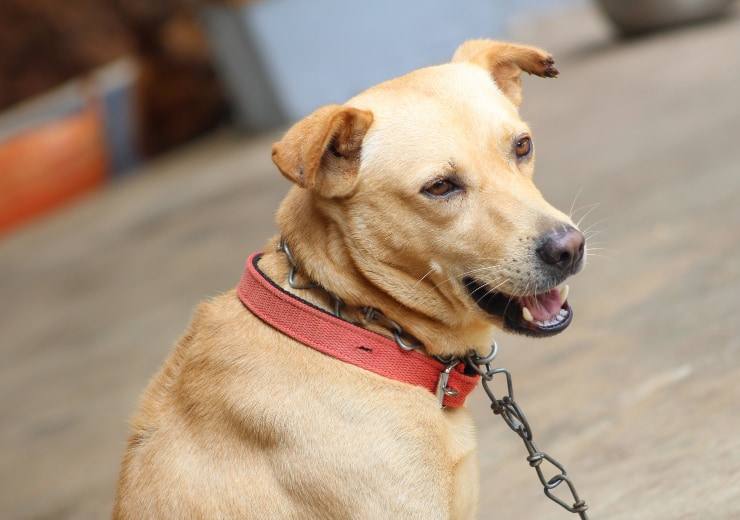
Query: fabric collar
column 346, row 341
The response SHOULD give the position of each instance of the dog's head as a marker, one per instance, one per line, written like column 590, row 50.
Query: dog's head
column 416, row 197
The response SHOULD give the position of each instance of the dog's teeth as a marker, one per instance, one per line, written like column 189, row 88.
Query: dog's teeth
column 564, row 293
column 527, row 315
column 563, row 313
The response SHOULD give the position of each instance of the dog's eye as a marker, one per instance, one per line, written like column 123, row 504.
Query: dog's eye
column 523, row 146
column 441, row 187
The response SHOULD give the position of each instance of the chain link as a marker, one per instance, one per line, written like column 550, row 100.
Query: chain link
column 514, row 417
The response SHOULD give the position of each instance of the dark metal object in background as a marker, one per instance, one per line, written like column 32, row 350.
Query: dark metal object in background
column 641, row 16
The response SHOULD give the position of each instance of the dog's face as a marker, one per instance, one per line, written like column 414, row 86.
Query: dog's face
column 429, row 179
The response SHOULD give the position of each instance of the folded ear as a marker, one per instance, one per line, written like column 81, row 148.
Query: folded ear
column 506, row 62
column 322, row 151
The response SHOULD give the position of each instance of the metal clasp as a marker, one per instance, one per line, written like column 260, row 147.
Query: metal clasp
column 442, row 388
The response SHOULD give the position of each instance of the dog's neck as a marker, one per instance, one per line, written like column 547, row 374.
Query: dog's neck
column 331, row 288
column 340, row 308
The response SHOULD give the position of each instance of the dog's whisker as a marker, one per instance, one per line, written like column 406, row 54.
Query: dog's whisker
column 515, row 295
column 590, row 227
column 423, row 277
column 486, row 268
column 570, row 213
column 600, row 257
column 488, row 291
column 592, row 251
column 495, row 284
column 588, row 207
column 493, row 269
column 590, row 233
column 599, row 247
column 595, row 246
column 489, row 286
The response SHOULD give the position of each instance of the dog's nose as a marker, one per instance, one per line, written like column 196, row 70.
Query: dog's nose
column 563, row 249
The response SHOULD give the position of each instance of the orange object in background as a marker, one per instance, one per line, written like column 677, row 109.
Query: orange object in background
column 50, row 164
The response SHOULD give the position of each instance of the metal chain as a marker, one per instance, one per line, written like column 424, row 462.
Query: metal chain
column 512, row 414
column 369, row 313
column 506, row 407
column 398, row 332
column 282, row 247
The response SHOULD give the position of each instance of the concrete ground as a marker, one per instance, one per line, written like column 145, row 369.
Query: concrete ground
column 639, row 399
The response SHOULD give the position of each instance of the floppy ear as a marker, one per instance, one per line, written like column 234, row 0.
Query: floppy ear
column 505, row 62
column 322, row 151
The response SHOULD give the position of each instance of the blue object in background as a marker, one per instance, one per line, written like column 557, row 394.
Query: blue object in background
column 116, row 89
column 282, row 59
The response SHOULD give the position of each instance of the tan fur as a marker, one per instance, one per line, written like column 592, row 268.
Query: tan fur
column 244, row 422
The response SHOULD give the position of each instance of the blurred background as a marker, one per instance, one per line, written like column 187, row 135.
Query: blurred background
column 135, row 179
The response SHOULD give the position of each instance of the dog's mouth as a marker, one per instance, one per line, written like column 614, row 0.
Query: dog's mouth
column 538, row 315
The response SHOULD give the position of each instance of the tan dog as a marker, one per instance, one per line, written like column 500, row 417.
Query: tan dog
column 414, row 198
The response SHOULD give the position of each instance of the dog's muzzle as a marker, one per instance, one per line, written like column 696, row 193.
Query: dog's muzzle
column 561, row 253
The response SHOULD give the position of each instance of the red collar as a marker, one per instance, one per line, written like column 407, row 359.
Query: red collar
column 345, row 341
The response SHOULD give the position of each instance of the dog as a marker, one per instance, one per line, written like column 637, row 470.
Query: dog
column 330, row 382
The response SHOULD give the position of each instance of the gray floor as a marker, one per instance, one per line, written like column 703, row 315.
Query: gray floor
column 639, row 398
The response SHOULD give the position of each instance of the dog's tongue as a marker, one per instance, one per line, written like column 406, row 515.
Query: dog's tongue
column 542, row 306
